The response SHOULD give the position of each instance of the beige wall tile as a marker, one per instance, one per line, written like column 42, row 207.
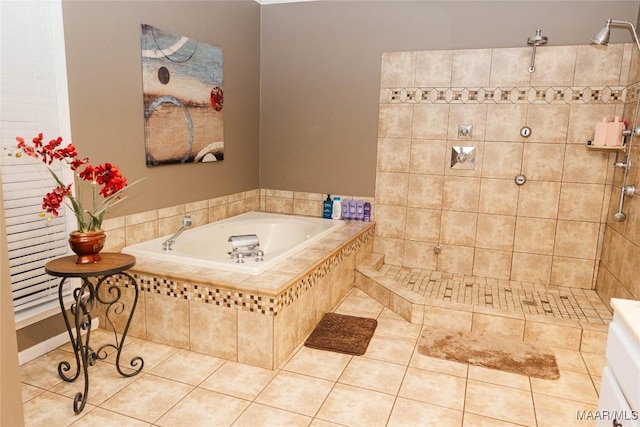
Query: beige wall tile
column 213, row 330
column 167, row 320
column 307, row 207
column 535, row 235
column 456, row 259
column 548, row 123
column 554, row 67
column 581, row 202
column 492, row 263
column 394, row 154
column 583, row 119
column 539, row 199
column 423, row 224
column 531, row 268
column 395, row 121
column 279, row 205
column 543, row 162
column 568, row 245
column 586, row 166
column 391, row 188
column 433, row 68
column 255, row 339
column 471, row 68
column 430, row 121
column 504, row 122
column 392, row 248
column 502, row 159
column 572, row 272
column 397, row 69
column 141, row 232
column 419, row 254
column 391, row 221
column 447, row 318
column 428, row 156
column 498, row 325
column 425, row 191
column 507, row 67
column 498, row 196
column 461, row 193
column 458, row 228
column 598, row 67
column 495, row 232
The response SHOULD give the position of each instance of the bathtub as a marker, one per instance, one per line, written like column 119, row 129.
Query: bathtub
column 280, row 236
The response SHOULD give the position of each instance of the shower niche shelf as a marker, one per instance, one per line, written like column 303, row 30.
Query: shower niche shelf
column 590, row 146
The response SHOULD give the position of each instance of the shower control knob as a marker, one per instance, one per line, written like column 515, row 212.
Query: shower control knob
column 520, row 179
column 525, row 132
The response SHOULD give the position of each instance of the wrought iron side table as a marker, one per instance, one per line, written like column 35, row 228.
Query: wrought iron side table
column 85, row 296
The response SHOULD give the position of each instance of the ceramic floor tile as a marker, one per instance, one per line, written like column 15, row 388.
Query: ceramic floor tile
column 499, row 402
column 442, row 366
column 29, row 392
column 353, row 406
column 50, row 409
column 364, row 305
column 296, row 393
column 102, row 417
column 180, row 367
column 327, row 365
column 552, row 412
column 569, row 360
column 147, row 398
column 104, row 382
column 239, row 380
column 595, row 363
column 322, row 423
column 43, row 371
column 570, row 385
column 397, row 329
column 258, row 415
column 412, row 413
column 493, row 376
column 390, row 350
column 473, row 420
column 151, row 353
column 433, row 387
column 204, row 408
column 374, row 375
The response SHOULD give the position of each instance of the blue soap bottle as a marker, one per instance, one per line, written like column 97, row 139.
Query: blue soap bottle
column 327, row 207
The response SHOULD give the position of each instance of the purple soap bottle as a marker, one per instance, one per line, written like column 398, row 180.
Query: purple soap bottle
column 360, row 210
column 345, row 209
column 367, row 212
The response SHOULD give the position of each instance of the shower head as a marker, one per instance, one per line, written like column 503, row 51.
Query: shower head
column 602, row 38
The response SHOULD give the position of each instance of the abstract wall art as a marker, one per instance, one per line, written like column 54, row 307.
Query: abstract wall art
column 183, row 99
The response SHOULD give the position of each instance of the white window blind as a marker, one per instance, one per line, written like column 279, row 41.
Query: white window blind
column 33, row 100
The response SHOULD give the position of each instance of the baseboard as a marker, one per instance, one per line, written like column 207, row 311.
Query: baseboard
column 33, row 352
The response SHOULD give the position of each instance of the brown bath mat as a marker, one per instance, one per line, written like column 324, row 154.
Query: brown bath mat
column 490, row 351
column 342, row 333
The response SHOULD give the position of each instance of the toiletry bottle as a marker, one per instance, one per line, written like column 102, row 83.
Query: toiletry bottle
column 614, row 132
column 367, row 212
column 345, row 209
column 337, row 208
column 327, row 207
column 360, row 210
column 353, row 210
column 600, row 136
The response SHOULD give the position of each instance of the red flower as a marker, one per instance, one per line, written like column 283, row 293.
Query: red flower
column 52, row 201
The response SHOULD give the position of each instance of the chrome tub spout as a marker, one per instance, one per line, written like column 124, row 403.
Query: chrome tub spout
column 186, row 223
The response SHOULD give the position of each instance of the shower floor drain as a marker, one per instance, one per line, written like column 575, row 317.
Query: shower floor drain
column 508, row 295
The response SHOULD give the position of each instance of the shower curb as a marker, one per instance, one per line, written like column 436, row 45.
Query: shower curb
column 531, row 328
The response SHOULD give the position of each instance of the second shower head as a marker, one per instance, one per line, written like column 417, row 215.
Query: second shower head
column 602, row 38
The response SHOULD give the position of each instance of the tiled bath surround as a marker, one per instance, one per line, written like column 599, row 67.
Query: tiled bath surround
column 257, row 320
column 549, row 230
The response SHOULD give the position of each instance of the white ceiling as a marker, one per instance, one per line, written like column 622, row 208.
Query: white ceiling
column 280, row 1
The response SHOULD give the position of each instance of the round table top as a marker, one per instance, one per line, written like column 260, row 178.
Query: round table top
column 110, row 263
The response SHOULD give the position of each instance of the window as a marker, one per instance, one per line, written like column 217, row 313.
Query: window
column 34, row 99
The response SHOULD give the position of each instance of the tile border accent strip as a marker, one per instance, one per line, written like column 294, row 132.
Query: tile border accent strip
column 506, row 95
column 238, row 299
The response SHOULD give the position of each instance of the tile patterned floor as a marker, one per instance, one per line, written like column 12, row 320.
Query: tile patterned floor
column 391, row 385
column 502, row 294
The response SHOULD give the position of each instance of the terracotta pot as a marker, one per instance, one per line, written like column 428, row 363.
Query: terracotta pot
column 87, row 245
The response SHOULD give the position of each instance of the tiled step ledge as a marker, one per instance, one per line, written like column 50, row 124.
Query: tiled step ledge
column 532, row 328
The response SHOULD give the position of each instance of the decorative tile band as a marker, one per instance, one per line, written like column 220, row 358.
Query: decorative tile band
column 506, row 95
column 238, row 299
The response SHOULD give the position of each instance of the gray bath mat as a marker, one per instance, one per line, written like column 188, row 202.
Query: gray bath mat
column 490, row 351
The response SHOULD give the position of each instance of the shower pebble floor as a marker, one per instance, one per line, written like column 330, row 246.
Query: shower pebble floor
column 392, row 384
column 502, row 294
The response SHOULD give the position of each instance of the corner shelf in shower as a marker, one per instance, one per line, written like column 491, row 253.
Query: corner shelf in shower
column 590, row 146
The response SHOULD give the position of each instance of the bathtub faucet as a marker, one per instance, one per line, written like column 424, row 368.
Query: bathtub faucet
column 186, row 223
column 244, row 245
